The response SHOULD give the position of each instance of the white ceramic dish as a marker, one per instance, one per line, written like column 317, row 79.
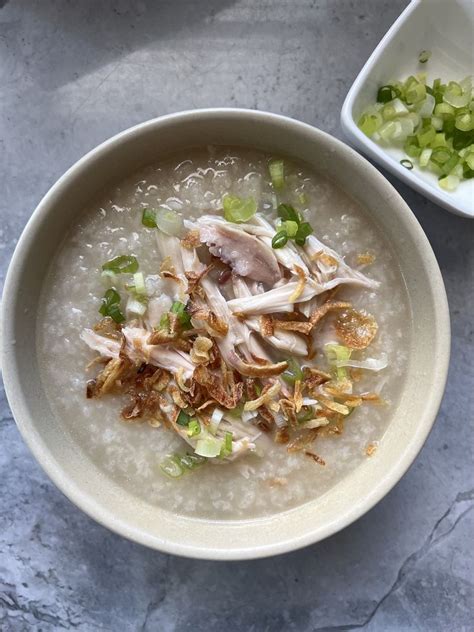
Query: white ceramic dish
column 100, row 495
column 444, row 27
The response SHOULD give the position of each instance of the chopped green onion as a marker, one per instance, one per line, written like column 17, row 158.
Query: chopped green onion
column 208, row 447
column 139, row 286
column 415, row 93
column 424, row 118
column 277, row 173
column 171, row 467
column 449, row 183
column 194, row 428
column 238, row 209
column 469, row 159
column 440, row 155
column 424, row 56
column 426, row 136
column 293, row 373
column 290, row 227
column 111, row 306
column 168, row 221
column 425, row 157
column 407, row 164
column 191, row 461
column 287, row 213
column 464, row 122
column 184, row 318
column 386, row 94
column 164, row 321
column 183, row 419
column 369, row 123
column 122, row 264
column 280, row 239
column 337, row 353
column 226, row 448
column 136, row 307
column 304, row 230
column 149, row 218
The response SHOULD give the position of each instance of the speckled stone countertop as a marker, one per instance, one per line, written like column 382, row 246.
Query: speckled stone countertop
column 73, row 74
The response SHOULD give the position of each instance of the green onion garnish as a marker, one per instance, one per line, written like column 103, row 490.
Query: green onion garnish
column 424, row 56
column 277, row 173
column 164, row 321
column 280, row 239
column 422, row 118
column 385, row 94
column 139, row 286
column 238, row 209
column 183, row 419
column 149, row 218
column 208, row 447
column 304, row 230
column 194, row 428
column 337, row 353
column 171, row 467
column 287, row 213
column 290, row 227
column 293, row 372
column 122, row 264
column 406, row 163
column 174, row 465
column 111, row 306
column 191, row 461
column 184, row 318
column 226, row 448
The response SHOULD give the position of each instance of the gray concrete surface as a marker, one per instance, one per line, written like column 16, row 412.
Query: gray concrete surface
column 74, row 73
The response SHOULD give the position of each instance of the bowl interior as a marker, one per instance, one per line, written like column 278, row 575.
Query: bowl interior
column 445, row 29
column 98, row 494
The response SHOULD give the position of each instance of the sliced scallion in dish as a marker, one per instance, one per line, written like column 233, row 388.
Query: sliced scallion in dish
column 433, row 124
column 280, row 239
column 122, row 265
column 293, row 373
column 171, row 466
column 209, row 447
column 149, row 218
column 277, row 173
column 226, row 448
column 168, row 221
column 237, row 209
column 175, row 465
column 111, row 306
column 184, row 318
column 424, row 56
column 183, row 419
column 194, row 428
column 291, row 227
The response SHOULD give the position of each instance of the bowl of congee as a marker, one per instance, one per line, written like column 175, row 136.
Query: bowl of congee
column 225, row 335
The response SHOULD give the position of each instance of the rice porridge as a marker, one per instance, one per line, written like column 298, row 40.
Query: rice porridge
column 260, row 328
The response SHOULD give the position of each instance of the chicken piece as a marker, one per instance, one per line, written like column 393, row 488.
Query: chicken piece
column 246, row 254
column 283, row 340
column 138, row 350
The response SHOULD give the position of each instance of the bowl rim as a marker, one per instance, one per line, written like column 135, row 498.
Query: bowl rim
column 103, row 515
column 370, row 147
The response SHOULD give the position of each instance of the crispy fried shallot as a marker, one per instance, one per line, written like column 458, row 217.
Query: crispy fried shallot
column 268, row 393
column 356, row 328
column 213, row 384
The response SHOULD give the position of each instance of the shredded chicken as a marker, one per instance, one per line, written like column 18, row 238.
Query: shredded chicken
column 235, row 345
column 246, row 254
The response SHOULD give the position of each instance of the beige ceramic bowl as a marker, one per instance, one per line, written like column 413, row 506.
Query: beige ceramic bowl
column 99, row 495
